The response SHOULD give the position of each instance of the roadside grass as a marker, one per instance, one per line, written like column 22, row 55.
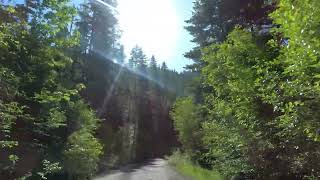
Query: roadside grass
column 184, row 166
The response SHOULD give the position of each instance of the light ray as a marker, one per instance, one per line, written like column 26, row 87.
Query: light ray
column 109, row 92
column 113, row 9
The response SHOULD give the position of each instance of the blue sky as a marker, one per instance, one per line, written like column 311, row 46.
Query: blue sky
column 184, row 10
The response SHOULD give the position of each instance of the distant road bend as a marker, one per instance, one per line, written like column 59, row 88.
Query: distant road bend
column 157, row 169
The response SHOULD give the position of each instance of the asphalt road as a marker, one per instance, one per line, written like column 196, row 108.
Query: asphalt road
column 157, row 169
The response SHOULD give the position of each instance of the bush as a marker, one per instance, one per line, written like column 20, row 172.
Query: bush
column 82, row 154
column 184, row 165
column 185, row 115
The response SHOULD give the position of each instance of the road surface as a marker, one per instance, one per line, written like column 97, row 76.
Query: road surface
column 157, row 169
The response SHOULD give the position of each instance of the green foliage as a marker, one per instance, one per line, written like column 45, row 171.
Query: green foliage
column 14, row 159
column 185, row 115
column 225, row 149
column 184, row 165
column 48, row 168
column 99, row 31
column 262, row 106
column 37, row 91
column 300, row 63
column 137, row 58
column 82, row 154
column 82, row 117
column 83, row 150
column 213, row 20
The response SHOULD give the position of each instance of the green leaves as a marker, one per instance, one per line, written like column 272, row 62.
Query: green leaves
column 48, row 168
column 47, row 97
column 38, row 97
column 56, row 119
column 267, row 93
column 185, row 115
column 82, row 154
column 82, row 116
column 225, row 148
column 8, row 144
column 300, row 60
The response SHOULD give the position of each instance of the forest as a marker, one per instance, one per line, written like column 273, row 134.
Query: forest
column 73, row 104
column 255, row 113
column 69, row 105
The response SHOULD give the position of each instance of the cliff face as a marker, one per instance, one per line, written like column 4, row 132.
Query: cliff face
column 135, row 109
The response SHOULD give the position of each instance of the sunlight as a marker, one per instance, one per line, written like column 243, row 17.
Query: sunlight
column 152, row 24
column 113, row 9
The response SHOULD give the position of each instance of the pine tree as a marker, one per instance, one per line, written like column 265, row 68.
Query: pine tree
column 98, row 28
column 164, row 67
column 212, row 20
column 137, row 59
column 84, row 26
column 153, row 63
column 120, row 55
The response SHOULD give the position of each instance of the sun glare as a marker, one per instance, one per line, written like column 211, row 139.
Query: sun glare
column 151, row 24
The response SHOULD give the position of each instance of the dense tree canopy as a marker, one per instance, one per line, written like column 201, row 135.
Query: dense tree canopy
column 66, row 109
column 212, row 20
column 260, row 92
column 72, row 103
column 39, row 112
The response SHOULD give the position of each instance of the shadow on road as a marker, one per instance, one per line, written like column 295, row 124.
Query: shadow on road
column 154, row 169
column 130, row 168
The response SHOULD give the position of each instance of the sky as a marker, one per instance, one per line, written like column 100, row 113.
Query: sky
column 158, row 27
